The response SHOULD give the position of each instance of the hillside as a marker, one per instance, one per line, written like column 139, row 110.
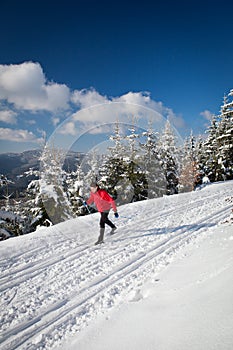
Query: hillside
column 163, row 281
column 14, row 165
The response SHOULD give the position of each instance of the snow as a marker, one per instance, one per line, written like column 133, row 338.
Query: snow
column 7, row 215
column 48, row 190
column 163, row 281
column 3, row 232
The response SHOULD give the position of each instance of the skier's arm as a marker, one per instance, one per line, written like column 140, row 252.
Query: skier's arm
column 90, row 200
column 108, row 198
column 113, row 203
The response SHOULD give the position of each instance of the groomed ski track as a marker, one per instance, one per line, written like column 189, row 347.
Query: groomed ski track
column 55, row 282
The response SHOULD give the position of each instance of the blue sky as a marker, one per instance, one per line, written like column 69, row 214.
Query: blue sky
column 57, row 58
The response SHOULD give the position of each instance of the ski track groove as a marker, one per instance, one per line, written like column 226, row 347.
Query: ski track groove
column 61, row 243
column 28, row 256
column 59, row 311
column 36, row 268
column 162, row 212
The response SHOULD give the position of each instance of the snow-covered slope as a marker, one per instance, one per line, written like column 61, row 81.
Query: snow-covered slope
column 171, row 255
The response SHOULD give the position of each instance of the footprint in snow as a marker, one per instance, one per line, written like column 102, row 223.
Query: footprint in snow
column 135, row 296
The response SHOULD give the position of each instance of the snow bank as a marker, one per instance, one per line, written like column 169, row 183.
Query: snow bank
column 188, row 305
column 163, row 281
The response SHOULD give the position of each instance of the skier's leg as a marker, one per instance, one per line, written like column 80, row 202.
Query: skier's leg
column 107, row 221
column 101, row 237
column 102, row 229
column 102, row 220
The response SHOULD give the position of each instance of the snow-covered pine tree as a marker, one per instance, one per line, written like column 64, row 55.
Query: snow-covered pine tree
column 225, row 139
column 211, row 166
column 122, row 172
column 9, row 224
column 152, row 164
column 34, row 212
column 189, row 174
column 136, row 173
column 112, row 175
column 52, row 181
column 202, row 176
column 4, row 182
column 118, row 149
column 91, row 165
column 113, row 172
column 75, row 184
column 168, row 153
column 9, row 221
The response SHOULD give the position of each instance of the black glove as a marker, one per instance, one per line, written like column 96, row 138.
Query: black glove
column 116, row 215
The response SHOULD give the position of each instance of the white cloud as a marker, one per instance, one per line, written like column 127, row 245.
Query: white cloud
column 55, row 121
column 144, row 99
column 122, row 108
column 96, row 114
column 176, row 120
column 139, row 98
column 8, row 117
column 25, row 86
column 85, row 98
column 68, row 129
column 18, row 135
column 207, row 115
column 58, row 96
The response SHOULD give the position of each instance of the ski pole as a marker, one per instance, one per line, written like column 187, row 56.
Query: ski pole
column 85, row 204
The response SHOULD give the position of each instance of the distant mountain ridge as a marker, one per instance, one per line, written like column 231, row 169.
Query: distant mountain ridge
column 13, row 166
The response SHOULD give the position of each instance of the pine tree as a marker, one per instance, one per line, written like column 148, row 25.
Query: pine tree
column 34, row 212
column 114, row 170
column 91, row 168
column 10, row 222
column 135, row 169
column 123, row 173
column 168, row 153
column 152, row 164
column 211, row 166
column 201, row 161
column 219, row 144
column 52, row 183
column 189, row 174
column 75, row 187
column 225, row 139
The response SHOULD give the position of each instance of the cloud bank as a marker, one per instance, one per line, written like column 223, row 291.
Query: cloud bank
column 18, row 135
column 24, row 89
column 7, row 116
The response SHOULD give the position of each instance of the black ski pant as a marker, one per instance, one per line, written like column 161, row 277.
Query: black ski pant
column 105, row 220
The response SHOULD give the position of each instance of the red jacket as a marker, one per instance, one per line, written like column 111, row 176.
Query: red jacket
column 102, row 200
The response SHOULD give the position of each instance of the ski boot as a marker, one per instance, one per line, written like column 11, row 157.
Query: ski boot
column 101, row 237
column 113, row 230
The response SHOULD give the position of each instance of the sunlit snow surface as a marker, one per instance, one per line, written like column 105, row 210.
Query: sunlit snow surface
column 163, row 281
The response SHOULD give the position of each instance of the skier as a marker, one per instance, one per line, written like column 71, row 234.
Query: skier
column 104, row 202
